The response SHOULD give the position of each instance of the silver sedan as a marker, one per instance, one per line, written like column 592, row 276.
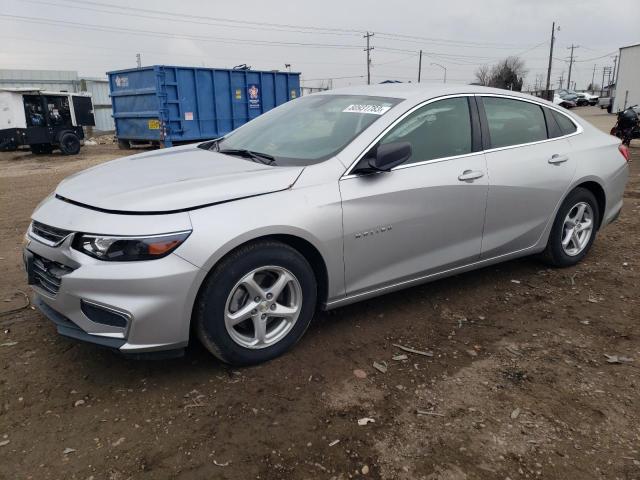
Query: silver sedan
column 327, row 200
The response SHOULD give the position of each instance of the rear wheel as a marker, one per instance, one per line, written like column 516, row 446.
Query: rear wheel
column 69, row 144
column 256, row 304
column 574, row 229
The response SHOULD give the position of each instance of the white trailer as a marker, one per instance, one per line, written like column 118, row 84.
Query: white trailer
column 44, row 120
column 628, row 78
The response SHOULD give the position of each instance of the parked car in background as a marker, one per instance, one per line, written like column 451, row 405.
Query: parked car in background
column 605, row 102
column 563, row 102
column 329, row 199
column 591, row 99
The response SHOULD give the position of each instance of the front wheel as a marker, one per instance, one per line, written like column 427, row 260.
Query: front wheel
column 574, row 229
column 256, row 304
column 69, row 144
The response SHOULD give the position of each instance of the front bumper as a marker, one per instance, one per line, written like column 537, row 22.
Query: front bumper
column 151, row 299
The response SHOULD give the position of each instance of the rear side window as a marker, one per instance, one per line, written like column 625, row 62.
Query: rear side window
column 566, row 125
column 513, row 122
column 437, row 130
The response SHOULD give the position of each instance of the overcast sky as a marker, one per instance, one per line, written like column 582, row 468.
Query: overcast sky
column 320, row 39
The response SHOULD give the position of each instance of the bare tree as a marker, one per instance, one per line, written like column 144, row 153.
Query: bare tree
column 483, row 75
column 508, row 74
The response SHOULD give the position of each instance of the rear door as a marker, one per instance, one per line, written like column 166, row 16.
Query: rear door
column 425, row 215
column 529, row 172
column 83, row 108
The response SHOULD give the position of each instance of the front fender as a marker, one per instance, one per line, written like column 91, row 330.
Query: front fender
column 312, row 213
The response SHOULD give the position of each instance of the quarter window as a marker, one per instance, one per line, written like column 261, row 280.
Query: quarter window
column 513, row 122
column 437, row 130
column 566, row 125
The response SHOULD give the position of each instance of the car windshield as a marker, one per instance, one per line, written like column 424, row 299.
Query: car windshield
column 307, row 130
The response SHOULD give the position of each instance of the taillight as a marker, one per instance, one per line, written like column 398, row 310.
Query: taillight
column 624, row 150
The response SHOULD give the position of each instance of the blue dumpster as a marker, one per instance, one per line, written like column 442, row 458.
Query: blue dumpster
column 166, row 104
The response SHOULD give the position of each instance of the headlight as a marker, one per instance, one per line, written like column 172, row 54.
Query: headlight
column 125, row 249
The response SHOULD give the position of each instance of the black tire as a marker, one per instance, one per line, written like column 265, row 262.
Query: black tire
column 41, row 148
column 124, row 144
column 554, row 254
column 69, row 143
column 210, row 305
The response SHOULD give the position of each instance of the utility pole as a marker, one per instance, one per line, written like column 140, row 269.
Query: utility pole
column 553, row 37
column 139, row 60
column 420, row 66
column 571, row 64
column 561, row 79
column 615, row 60
column 593, row 77
column 368, row 50
column 443, row 68
column 604, row 71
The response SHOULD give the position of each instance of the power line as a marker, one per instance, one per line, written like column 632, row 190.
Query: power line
column 96, row 53
column 459, row 42
column 177, row 15
column 289, row 28
column 178, row 18
column 153, row 33
column 596, row 58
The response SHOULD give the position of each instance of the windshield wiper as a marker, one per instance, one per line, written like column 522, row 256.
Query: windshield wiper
column 263, row 158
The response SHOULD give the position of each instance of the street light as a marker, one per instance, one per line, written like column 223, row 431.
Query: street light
column 445, row 70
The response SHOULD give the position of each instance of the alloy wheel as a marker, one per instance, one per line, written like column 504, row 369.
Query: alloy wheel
column 577, row 229
column 263, row 307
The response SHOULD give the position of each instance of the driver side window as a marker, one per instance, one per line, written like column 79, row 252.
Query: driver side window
column 437, row 130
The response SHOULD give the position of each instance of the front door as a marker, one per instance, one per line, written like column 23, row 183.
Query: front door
column 424, row 216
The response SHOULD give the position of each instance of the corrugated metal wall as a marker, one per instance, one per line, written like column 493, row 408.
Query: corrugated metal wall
column 55, row 80
column 99, row 89
column 65, row 81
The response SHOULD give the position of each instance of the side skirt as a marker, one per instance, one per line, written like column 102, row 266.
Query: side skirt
column 429, row 278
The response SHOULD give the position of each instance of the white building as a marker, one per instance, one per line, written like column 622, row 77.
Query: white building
column 65, row 81
column 628, row 78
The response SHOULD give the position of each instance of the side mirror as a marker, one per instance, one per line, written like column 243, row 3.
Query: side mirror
column 390, row 155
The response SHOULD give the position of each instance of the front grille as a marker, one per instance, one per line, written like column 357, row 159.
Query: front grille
column 48, row 274
column 48, row 235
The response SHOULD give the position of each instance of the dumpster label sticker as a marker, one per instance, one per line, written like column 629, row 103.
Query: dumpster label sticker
column 188, row 115
column 293, row 94
column 238, row 94
column 363, row 108
column 154, row 124
column 254, row 96
column 121, row 82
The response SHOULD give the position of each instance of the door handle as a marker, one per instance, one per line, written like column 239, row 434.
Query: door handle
column 557, row 159
column 470, row 175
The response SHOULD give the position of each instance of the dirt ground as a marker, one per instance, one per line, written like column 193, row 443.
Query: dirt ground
column 518, row 387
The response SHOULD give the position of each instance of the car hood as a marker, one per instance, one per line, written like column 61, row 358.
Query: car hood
column 174, row 179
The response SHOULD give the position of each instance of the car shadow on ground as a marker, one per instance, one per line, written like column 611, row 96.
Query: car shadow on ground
column 345, row 322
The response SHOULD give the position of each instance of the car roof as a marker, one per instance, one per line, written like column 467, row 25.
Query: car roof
column 421, row 91
column 418, row 92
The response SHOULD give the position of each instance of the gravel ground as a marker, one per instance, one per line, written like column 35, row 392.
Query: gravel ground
column 517, row 383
